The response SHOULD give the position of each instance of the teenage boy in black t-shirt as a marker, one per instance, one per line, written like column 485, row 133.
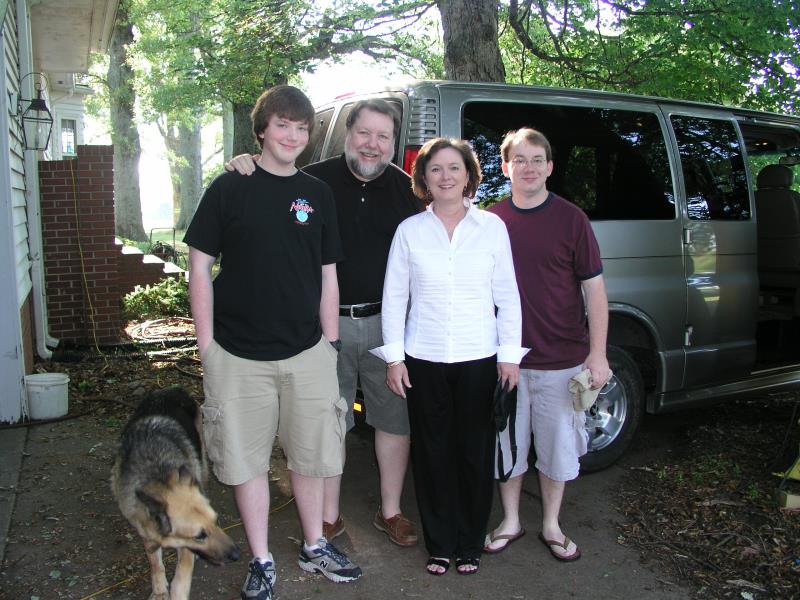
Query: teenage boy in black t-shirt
column 373, row 197
column 266, row 329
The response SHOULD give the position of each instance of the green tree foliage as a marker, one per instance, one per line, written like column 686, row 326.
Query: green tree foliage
column 167, row 298
column 740, row 52
column 202, row 51
column 192, row 55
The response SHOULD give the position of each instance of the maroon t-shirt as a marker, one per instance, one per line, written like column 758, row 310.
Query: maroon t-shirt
column 554, row 249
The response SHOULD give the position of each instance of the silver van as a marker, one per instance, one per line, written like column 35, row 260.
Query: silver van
column 697, row 220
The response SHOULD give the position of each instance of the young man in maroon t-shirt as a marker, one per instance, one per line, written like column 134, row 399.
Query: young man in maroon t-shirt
column 557, row 263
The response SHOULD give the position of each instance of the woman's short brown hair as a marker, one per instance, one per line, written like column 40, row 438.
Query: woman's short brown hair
column 286, row 101
column 433, row 146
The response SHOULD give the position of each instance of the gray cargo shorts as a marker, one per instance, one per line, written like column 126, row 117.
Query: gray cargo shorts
column 385, row 410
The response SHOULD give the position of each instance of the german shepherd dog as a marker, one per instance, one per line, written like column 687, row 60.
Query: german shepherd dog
column 157, row 480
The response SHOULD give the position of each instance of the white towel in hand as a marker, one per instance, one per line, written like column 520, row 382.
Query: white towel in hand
column 580, row 386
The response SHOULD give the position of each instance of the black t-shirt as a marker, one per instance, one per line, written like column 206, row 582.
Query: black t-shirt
column 369, row 213
column 274, row 234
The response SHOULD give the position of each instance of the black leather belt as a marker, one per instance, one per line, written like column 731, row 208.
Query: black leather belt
column 360, row 311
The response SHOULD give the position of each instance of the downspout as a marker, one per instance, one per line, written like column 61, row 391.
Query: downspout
column 33, row 201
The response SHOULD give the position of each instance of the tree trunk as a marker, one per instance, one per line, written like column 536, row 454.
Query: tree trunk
column 471, row 45
column 124, row 135
column 227, row 131
column 183, row 142
column 190, row 170
column 169, row 131
column 243, row 141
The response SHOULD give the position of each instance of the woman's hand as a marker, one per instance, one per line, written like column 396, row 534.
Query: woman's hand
column 397, row 379
column 508, row 372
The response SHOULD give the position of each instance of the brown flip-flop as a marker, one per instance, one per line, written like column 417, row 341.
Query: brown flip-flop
column 491, row 538
column 565, row 544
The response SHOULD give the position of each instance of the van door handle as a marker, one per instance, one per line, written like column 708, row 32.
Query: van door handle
column 687, row 236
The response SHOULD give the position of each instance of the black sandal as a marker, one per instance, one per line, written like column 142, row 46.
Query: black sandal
column 437, row 562
column 467, row 562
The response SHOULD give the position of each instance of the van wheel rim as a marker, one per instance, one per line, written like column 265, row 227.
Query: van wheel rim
column 605, row 420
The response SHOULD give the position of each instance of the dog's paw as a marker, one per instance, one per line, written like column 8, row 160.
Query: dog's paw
column 154, row 596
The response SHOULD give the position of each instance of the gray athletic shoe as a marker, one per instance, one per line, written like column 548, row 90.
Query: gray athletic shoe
column 259, row 582
column 330, row 561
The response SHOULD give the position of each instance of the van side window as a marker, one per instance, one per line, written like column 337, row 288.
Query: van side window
column 713, row 169
column 580, row 177
column 313, row 151
column 339, row 133
column 612, row 163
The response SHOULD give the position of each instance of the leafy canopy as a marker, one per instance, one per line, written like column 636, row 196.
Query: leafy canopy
column 202, row 50
column 741, row 52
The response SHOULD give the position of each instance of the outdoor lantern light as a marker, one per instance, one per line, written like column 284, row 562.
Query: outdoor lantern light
column 37, row 120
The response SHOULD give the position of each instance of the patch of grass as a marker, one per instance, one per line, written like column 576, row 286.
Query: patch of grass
column 752, row 492
column 112, row 422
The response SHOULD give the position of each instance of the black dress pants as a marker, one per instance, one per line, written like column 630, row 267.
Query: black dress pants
column 452, row 452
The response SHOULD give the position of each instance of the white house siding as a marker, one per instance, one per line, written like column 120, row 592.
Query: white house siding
column 14, row 261
column 19, row 219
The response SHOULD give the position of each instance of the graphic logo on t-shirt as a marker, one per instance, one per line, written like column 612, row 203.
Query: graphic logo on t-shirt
column 302, row 211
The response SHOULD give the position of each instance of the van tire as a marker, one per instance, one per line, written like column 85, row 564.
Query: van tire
column 614, row 419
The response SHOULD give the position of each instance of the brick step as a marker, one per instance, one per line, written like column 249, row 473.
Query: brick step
column 137, row 268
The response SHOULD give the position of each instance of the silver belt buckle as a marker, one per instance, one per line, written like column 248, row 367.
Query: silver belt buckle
column 352, row 316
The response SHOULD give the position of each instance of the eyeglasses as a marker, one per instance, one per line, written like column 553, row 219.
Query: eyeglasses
column 519, row 162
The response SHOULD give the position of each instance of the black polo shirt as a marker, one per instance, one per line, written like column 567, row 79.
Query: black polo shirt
column 274, row 234
column 368, row 213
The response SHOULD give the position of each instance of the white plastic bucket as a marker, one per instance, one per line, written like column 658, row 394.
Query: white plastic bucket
column 47, row 395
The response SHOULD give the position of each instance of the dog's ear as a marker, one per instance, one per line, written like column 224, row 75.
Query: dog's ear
column 185, row 476
column 157, row 510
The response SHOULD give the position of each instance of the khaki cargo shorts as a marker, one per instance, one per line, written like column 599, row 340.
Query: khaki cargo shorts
column 248, row 401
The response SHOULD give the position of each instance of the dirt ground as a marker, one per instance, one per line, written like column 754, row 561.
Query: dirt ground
column 693, row 503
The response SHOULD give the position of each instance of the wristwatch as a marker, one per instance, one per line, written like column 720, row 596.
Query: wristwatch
column 337, row 345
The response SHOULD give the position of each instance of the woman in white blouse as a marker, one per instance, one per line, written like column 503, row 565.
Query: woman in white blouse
column 451, row 328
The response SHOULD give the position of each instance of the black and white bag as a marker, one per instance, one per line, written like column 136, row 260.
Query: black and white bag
column 505, row 421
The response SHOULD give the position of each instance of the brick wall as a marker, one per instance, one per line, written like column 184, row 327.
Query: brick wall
column 80, row 257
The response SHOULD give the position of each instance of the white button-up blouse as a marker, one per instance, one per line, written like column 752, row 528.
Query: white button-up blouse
column 439, row 295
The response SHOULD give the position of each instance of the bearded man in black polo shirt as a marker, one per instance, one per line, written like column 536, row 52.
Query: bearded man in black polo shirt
column 372, row 197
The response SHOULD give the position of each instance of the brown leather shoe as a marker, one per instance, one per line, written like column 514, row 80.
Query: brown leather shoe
column 399, row 529
column 332, row 530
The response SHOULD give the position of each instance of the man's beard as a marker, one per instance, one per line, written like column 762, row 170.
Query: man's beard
column 366, row 171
